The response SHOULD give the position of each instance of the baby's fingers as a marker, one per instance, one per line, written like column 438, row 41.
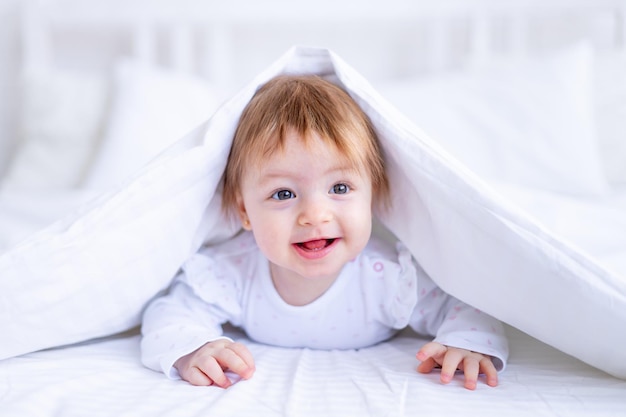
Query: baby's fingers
column 426, row 366
column 234, row 358
column 451, row 361
column 471, row 368
column 195, row 376
column 431, row 350
column 475, row 364
column 430, row 355
column 489, row 369
column 246, row 367
column 214, row 370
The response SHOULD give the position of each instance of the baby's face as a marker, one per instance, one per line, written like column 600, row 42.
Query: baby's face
column 309, row 210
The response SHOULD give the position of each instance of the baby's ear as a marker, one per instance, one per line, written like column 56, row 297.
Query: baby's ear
column 243, row 215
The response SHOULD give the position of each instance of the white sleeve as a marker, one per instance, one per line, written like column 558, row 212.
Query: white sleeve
column 175, row 325
column 456, row 324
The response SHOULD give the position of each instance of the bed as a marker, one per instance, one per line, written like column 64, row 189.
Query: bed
column 537, row 93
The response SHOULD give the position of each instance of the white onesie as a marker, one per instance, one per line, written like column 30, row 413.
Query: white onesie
column 380, row 292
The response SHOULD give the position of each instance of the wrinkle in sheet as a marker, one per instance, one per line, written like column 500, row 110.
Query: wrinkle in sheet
column 319, row 386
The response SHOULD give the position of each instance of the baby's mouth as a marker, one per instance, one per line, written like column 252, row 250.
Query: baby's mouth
column 316, row 245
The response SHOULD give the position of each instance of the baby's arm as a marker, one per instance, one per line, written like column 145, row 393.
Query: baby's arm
column 177, row 325
column 466, row 338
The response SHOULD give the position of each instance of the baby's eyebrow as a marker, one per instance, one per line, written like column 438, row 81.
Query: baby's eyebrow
column 277, row 173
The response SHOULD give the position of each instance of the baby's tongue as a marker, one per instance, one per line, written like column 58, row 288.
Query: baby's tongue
column 314, row 244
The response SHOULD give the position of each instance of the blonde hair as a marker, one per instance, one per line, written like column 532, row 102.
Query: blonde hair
column 305, row 103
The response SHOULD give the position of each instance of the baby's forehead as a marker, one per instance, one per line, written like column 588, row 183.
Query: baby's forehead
column 311, row 148
column 303, row 167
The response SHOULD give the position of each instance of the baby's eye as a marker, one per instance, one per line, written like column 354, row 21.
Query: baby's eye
column 340, row 189
column 283, row 195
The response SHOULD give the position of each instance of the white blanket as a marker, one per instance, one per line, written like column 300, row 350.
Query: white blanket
column 91, row 274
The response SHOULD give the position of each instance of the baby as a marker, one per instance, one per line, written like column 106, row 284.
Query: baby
column 304, row 175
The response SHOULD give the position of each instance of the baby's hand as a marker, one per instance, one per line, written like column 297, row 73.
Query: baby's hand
column 450, row 359
column 206, row 365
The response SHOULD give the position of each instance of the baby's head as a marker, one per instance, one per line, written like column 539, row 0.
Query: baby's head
column 305, row 104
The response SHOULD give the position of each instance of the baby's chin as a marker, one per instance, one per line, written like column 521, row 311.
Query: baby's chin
column 311, row 271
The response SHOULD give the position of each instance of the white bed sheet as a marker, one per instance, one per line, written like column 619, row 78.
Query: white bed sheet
column 106, row 378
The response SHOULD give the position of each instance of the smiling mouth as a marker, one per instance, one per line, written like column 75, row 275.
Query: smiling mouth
column 315, row 245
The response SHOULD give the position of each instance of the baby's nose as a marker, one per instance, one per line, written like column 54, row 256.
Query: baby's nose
column 314, row 212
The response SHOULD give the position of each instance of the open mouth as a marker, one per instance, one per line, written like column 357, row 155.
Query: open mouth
column 315, row 245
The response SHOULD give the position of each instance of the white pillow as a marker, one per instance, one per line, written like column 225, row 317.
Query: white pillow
column 151, row 109
column 610, row 112
column 527, row 123
column 61, row 115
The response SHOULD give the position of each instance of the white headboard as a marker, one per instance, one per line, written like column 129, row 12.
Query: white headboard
column 229, row 42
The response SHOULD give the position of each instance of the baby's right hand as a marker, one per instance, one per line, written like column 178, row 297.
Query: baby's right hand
column 206, row 365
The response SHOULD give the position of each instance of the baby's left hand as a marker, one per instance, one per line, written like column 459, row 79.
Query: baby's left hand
column 450, row 359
